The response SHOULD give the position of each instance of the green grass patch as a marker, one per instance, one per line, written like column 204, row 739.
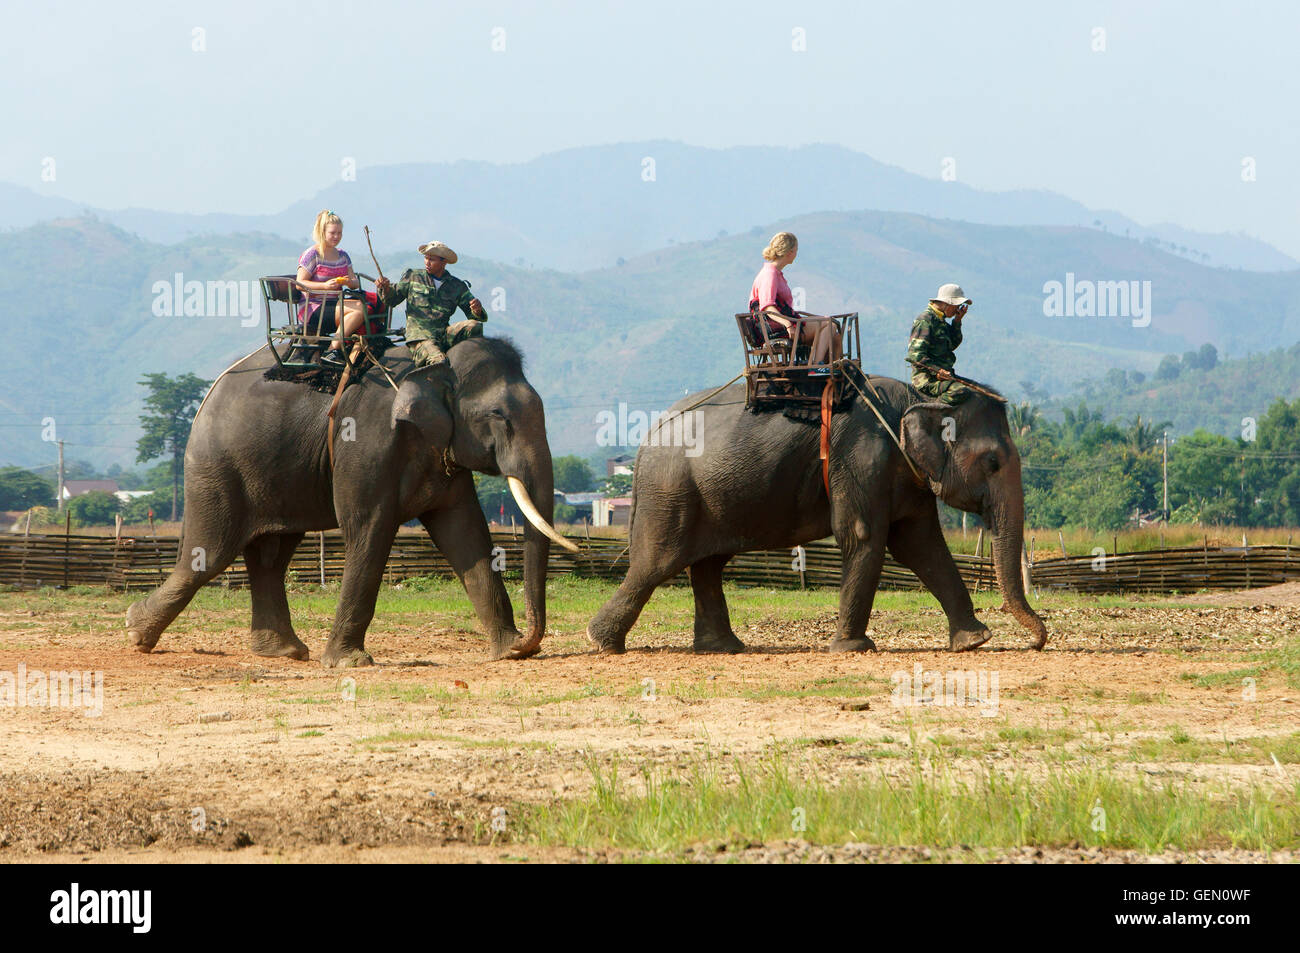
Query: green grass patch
column 501, row 744
column 1146, row 698
column 1282, row 660
column 929, row 804
column 395, row 737
column 1036, row 735
column 408, row 692
column 1180, row 746
column 523, row 700
column 724, row 687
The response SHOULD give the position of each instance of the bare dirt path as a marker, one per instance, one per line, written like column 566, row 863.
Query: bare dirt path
column 204, row 752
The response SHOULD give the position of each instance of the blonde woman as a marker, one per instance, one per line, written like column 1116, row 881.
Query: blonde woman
column 326, row 267
column 771, row 296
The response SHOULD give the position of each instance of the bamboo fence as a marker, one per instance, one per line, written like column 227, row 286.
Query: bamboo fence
column 142, row 562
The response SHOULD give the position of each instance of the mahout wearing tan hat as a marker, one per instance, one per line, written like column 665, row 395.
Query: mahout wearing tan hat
column 951, row 294
column 439, row 250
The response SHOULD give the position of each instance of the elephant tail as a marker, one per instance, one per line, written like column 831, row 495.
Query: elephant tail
column 631, row 513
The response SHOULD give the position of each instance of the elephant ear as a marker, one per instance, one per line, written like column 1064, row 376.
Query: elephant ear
column 921, row 433
column 423, row 401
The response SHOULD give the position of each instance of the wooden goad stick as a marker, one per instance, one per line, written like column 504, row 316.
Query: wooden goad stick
column 372, row 252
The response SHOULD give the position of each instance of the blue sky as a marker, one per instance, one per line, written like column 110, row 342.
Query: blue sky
column 1156, row 125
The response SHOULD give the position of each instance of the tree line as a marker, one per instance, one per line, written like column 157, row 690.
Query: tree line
column 170, row 406
column 1081, row 470
column 1104, row 475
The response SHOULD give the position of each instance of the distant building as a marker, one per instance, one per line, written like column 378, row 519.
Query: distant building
column 612, row 511
column 620, row 465
column 73, row 488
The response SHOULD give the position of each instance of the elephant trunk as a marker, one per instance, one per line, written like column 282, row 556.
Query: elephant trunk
column 1007, row 522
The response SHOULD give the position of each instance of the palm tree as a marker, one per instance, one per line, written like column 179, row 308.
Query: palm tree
column 1142, row 435
column 1023, row 418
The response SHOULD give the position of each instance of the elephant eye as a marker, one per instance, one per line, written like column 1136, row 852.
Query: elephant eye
column 994, row 464
column 496, row 414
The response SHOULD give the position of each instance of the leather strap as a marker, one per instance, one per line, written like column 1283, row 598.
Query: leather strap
column 334, row 406
column 828, row 396
column 916, row 474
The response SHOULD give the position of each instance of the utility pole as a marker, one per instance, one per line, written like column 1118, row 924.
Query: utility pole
column 1165, row 468
column 59, row 504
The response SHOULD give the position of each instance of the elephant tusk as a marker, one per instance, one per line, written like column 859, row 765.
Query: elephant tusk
column 520, row 493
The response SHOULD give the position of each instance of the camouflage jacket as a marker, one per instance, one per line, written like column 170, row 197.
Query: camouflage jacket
column 429, row 309
column 933, row 340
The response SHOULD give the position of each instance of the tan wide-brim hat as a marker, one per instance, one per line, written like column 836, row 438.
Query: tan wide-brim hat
column 951, row 294
column 440, row 250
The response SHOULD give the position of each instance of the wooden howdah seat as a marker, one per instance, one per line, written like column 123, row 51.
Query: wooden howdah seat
column 779, row 373
column 293, row 347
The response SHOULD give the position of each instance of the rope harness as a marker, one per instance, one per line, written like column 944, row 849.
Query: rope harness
column 361, row 350
column 875, row 410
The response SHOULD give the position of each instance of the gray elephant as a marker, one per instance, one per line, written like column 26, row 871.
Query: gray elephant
column 754, row 481
column 258, row 477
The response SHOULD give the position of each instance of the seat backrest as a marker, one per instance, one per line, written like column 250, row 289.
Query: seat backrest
column 280, row 288
column 749, row 329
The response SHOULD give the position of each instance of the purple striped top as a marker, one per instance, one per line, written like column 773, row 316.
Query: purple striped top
column 320, row 270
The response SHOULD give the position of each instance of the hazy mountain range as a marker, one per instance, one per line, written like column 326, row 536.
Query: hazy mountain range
column 90, row 318
column 586, row 208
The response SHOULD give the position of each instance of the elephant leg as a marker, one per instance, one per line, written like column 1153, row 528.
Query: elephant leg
column 712, row 621
column 461, row 535
column 650, row 567
column 917, row 542
column 267, row 559
column 204, row 553
column 862, row 561
column 366, row 549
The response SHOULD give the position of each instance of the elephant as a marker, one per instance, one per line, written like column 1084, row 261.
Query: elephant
column 751, row 481
column 260, row 473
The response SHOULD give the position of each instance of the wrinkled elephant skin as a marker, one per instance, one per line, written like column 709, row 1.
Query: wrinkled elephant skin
column 258, row 477
column 753, row 481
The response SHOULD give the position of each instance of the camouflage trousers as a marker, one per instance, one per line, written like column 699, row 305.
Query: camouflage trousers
column 949, row 392
column 434, row 350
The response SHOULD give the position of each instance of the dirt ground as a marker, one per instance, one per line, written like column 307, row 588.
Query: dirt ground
column 1286, row 594
column 204, row 752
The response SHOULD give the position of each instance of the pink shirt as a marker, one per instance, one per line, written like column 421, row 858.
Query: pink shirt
column 770, row 288
column 320, row 270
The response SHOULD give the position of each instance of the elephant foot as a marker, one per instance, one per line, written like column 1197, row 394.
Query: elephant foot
column 963, row 640
column 344, row 657
column 607, row 647
column 863, row 644
column 137, row 632
column 726, row 643
column 273, row 644
column 512, row 645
